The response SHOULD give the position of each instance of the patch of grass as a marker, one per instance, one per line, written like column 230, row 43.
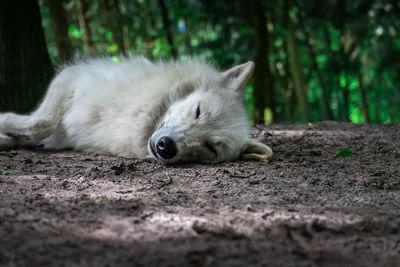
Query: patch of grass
column 344, row 153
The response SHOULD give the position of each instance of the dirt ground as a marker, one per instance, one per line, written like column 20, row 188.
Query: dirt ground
column 305, row 207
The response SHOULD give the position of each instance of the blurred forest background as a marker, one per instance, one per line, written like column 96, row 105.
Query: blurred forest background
column 315, row 60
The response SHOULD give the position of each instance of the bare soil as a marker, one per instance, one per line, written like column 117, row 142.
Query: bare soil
column 305, row 207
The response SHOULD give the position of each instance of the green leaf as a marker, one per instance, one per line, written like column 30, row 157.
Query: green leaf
column 108, row 36
column 244, row 30
column 397, row 44
column 4, row 172
column 115, row 59
column 74, row 31
column 194, row 42
column 344, row 153
column 112, row 48
column 278, row 43
column 321, row 59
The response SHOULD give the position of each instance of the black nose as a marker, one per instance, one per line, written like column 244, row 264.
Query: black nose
column 166, row 147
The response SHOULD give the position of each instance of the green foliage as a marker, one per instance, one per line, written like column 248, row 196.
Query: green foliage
column 349, row 40
column 344, row 153
column 74, row 31
column 112, row 48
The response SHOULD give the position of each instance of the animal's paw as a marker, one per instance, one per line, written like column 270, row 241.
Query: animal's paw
column 254, row 150
column 6, row 141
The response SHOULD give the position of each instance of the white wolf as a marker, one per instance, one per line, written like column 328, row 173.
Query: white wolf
column 173, row 111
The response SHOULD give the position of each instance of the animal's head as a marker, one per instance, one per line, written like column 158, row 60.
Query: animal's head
column 209, row 124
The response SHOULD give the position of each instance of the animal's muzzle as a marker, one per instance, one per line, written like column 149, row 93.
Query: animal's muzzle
column 166, row 147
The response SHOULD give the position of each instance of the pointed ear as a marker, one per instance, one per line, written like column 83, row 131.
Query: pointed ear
column 235, row 79
column 252, row 149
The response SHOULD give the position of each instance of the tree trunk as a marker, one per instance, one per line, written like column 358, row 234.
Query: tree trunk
column 59, row 26
column 25, row 66
column 111, row 15
column 118, row 27
column 125, row 29
column 346, row 97
column 297, row 73
column 377, row 109
column 389, row 96
column 290, row 95
column 333, row 59
column 84, row 24
column 167, row 27
column 280, row 72
column 188, row 39
column 363, row 93
column 325, row 95
column 286, row 93
column 263, row 94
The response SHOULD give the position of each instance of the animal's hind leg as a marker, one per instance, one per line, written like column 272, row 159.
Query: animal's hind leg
column 26, row 129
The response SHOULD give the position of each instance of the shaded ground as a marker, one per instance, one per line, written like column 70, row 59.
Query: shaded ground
column 306, row 207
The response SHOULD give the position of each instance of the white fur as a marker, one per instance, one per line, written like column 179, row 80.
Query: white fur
column 116, row 108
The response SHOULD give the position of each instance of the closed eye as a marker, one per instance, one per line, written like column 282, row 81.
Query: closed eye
column 197, row 112
column 211, row 148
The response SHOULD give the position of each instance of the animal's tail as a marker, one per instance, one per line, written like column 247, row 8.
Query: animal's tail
column 27, row 129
